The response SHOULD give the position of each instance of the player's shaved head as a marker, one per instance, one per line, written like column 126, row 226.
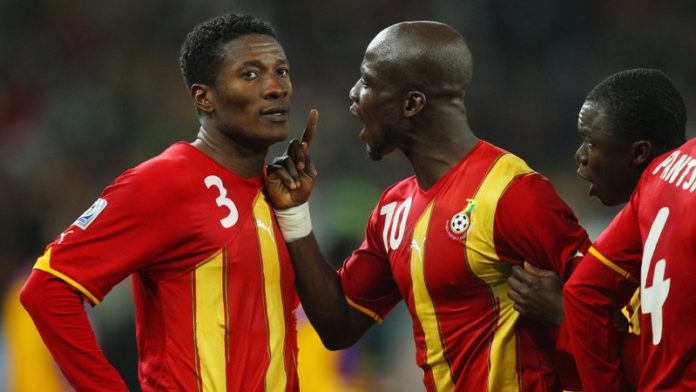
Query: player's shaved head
column 428, row 56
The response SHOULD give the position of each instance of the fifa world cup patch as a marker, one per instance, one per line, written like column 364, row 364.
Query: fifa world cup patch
column 458, row 225
column 91, row 214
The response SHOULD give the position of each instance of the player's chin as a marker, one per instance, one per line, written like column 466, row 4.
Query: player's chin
column 376, row 151
column 607, row 199
column 277, row 133
column 373, row 154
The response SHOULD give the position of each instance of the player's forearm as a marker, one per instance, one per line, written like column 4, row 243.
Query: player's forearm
column 320, row 291
column 59, row 315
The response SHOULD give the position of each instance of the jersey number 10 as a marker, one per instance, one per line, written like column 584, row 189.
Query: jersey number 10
column 394, row 223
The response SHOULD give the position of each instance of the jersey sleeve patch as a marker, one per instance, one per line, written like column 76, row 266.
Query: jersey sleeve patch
column 91, row 214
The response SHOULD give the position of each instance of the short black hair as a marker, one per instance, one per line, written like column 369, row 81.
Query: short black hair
column 643, row 103
column 202, row 51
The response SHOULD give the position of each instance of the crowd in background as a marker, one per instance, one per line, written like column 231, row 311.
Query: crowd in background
column 89, row 89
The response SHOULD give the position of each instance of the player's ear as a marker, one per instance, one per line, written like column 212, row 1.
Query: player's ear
column 414, row 103
column 203, row 97
column 641, row 152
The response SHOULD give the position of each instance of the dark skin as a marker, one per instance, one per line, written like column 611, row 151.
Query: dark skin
column 613, row 167
column 428, row 125
column 289, row 183
column 538, row 293
column 610, row 164
column 241, row 115
column 247, row 109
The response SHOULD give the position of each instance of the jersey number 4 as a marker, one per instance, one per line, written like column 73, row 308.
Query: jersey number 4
column 223, row 201
column 653, row 298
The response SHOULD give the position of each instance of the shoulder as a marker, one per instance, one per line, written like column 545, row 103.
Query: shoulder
column 503, row 173
column 399, row 191
column 500, row 165
column 177, row 157
column 531, row 187
column 161, row 178
column 169, row 168
column 669, row 165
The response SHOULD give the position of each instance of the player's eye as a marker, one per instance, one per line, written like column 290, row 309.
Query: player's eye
column 285, row 72
column 249, row 75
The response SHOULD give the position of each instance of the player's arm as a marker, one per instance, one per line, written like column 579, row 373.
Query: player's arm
column 533, row 223
column 601, row 285
column 319, row 287
column 592, row 295
column 537, row 293
column 57, row 310
column 289, row 182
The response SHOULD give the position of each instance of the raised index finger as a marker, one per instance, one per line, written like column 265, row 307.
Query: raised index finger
column 308, row 134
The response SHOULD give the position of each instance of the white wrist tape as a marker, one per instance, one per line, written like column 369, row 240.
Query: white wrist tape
column 295, row 222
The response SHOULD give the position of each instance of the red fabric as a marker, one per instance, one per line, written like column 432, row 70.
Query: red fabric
column 663, row 204
column 631, row 361
column 533, row 223
column 163, row 223
column 529, row 213
column 594, row 338
column 60, row 317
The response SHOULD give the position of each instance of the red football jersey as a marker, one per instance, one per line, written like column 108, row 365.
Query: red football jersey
column 213, row 282
column 448, row 252
column 657, row 223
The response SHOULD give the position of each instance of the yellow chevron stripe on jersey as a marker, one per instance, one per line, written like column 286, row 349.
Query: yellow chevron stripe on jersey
column 625, row 274
column 276, row 376
column 43, row 263
column 365, row 310
column 633, row 316
column 483, row 261
column 210, row 327
column 425, row 309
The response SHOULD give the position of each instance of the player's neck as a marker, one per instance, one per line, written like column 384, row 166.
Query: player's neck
column 431, row 165
column 245, row 162
column 434, row 153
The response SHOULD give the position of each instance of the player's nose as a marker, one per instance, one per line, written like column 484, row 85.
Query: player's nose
column 581, row 154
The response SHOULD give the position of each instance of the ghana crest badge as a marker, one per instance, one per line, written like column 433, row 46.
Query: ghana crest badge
column 460, row 222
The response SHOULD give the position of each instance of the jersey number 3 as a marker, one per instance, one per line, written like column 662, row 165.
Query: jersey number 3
column 223, row 201
column 653, row 298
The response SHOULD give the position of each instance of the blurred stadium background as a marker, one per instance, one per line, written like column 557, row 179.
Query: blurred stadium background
column 90, row 89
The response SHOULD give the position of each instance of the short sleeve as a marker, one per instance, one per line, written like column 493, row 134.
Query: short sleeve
column 367, row 278
column 532, row 223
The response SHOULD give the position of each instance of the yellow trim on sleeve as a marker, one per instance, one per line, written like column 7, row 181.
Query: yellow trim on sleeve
column 594, row 252
column 43, row 263
column 365, row 310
